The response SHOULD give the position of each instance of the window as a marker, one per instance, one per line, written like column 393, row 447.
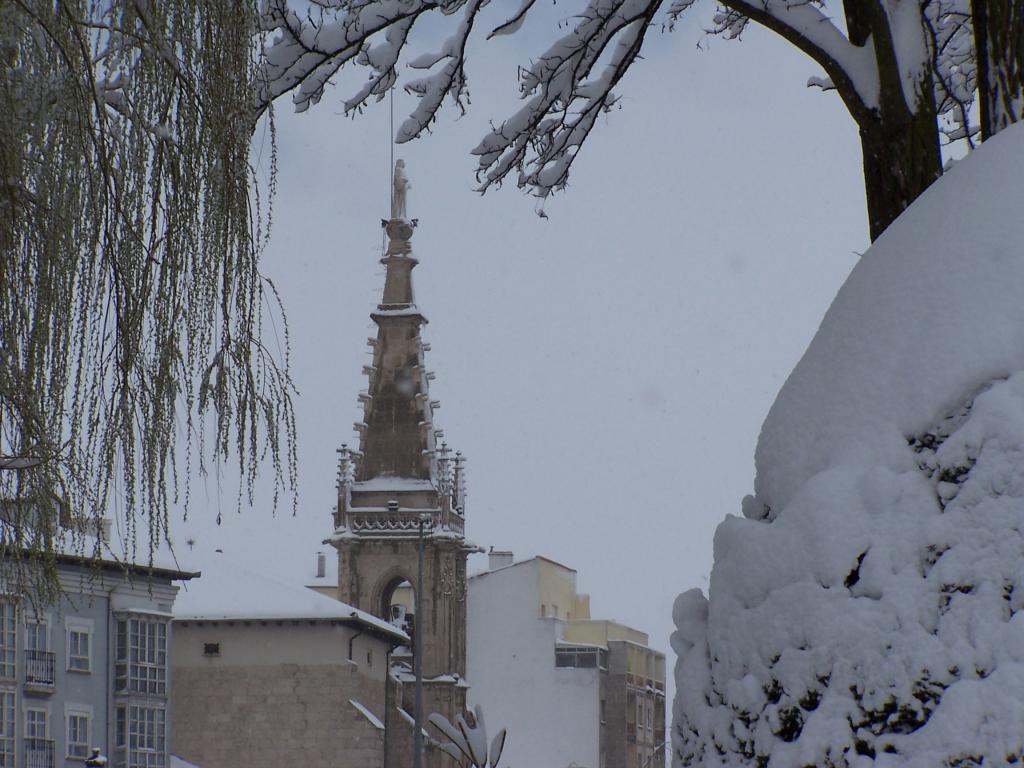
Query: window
column 38, row 659
column 6, row 729
column 141, row 665
column 211, row 649
column 35, row 724
column 579, row 656
column 79, row 642
column 35, row 636
column 78, row 735
column 8, row 639
column 141, row 736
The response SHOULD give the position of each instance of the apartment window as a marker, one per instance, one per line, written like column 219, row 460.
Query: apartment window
column 79, row 644
column 35, row 723
column 38, row 659
column 8, row 639
column 141, row 665
column 6, row 729
column 141, row 736
column 577, row 656
column 38, row 747
column 78, row 735
column 35, row 636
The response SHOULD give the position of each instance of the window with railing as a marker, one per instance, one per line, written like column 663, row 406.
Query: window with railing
column 141, row 736
column 38, row 658
column 39, row 753
column 7, row 729
column 39, row 668
column 38, row 747
column 8, row 639
column 141, row 659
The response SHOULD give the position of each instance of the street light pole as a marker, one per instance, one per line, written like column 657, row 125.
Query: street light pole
column 417, row 737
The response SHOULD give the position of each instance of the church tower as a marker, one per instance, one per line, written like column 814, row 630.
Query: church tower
column 402, row 480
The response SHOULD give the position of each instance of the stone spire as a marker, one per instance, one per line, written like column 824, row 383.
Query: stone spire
column 397, row 437
column 398, row 492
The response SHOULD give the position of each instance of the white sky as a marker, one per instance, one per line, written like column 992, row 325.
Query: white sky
column 605, row 370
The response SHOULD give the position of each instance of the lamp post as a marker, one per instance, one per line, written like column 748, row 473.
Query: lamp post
column 417, row 737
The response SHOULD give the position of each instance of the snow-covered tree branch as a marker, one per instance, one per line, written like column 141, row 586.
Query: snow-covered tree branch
column 903, row 68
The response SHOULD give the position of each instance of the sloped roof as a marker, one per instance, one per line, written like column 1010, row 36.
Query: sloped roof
column 228, row 591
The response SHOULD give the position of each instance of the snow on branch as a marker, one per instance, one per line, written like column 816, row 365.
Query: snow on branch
column 568, row 87
column 851, row 68
column 564, row 97
column 564, row 91
column 954, row 67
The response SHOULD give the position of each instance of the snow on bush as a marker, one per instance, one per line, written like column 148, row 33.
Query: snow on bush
column 866, row 610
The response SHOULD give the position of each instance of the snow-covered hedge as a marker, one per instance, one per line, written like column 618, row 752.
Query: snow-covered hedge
column 866, row 609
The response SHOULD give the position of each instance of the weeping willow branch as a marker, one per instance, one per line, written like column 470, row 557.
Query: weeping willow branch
column 131, row 302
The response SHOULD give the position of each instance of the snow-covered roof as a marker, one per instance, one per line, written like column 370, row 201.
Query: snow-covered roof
column 118, row 550
column 230, row 592
column 517, row 563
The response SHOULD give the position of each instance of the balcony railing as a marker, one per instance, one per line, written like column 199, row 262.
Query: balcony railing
column 39, row 669
column 39, row 753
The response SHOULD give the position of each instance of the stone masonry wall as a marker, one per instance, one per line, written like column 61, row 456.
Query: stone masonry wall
column 287, row 715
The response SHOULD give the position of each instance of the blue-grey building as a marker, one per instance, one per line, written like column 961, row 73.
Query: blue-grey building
column 90, row 672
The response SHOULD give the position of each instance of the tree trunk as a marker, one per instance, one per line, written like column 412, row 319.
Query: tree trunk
column 900, row 144
column 901, row 159
column 999, row 43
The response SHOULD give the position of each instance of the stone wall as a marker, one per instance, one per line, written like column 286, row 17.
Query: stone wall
column 287, row 715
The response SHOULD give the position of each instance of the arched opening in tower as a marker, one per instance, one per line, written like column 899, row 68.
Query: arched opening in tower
column 398, row 604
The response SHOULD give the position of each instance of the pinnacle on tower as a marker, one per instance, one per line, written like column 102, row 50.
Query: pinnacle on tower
column 396, row 434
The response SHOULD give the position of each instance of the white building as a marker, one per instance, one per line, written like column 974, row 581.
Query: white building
column 572, row 691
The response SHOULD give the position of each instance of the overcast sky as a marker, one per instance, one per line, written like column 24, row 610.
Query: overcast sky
column 606, row 370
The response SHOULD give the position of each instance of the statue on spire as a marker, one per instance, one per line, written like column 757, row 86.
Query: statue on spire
column 399, row 187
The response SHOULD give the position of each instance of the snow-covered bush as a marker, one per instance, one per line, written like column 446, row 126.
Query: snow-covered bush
column 866, row 609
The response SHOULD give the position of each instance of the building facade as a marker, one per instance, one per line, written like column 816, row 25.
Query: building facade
column 571, row 690
column 271, row 674
column 401, row 488
column 90, row 672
